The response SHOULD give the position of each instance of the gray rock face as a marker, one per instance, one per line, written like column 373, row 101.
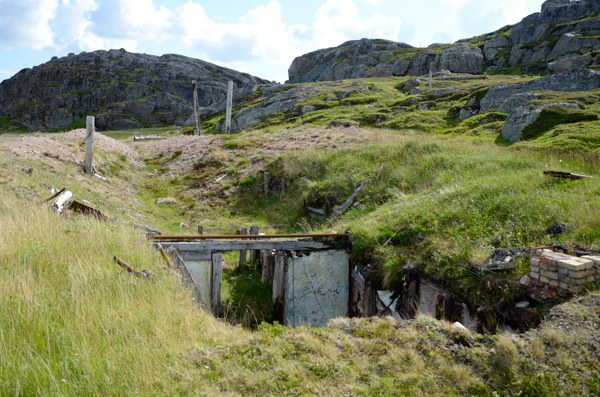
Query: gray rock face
column 524, row 116
column 275, row 102
column 569, row 64
column 122, row 89
column 382, row 58
column 577, row 80
column 563, row 29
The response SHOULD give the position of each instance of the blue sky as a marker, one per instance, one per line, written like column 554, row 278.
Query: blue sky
column 260, row 37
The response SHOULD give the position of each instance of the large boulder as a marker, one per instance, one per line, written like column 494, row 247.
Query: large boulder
column 524, row 116
column 122, row 89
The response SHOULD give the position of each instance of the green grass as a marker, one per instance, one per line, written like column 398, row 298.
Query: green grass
column 481, row 197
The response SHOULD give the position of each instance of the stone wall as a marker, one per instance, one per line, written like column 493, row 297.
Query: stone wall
column 563, row 271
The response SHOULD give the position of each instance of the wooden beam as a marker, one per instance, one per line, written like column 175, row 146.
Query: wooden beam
column 244, row 237
column 203, row 246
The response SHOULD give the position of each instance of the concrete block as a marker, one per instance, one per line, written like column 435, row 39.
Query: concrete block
column 547, row 260
column 535, row 262
column 595, row 259
column 572, row 264
column 534, row 275
column 563, row 271
column 553, row 283
column 535, row 269
column 580, row 273
column 577, row 281
column 549, row 275
column 575, row 289
column 544, row 279
column 525, row 280
column 563, row 285
column 590, row 279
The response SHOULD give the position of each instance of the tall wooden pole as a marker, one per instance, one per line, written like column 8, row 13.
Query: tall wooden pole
column 196, row 109
column 89, row 144
column 229, row 105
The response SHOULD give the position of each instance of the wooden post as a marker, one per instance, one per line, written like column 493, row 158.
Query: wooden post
column 254, row 253
column 243, row 232
column 196, row 110
column 229, row 105
column 200, row 230
column 279, row 276
column 215, row 289
column 89, row 144
column 267, row 182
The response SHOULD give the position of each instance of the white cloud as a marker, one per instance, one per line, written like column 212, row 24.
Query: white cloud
column 26, row 23
column 338, row 21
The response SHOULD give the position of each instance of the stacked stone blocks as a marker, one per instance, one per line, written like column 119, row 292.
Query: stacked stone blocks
column 566, row 272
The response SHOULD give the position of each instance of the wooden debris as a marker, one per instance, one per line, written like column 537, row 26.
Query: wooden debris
column 565, row 175
column 344, row 207
column 101, row 177
column 83, row 208
column 146, row 274
column 148, row 138
column 167, row 259
column 55, row 195
column 151, row 229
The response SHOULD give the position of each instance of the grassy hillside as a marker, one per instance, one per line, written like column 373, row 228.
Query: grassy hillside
column 443, row 195
column 73, row 323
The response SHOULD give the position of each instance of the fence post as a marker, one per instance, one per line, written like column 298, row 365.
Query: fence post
column 243, row 232
column 229, row 105
column 89, row 144
column 196, row 110
column 254, row 254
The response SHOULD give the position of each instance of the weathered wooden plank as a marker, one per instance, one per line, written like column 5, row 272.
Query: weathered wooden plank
column 246, row 245
column 215, row 287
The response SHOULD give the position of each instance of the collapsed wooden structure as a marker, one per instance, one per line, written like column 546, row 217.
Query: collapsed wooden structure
column 309, row 277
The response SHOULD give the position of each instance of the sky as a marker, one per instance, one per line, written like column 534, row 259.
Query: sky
column 260, row 37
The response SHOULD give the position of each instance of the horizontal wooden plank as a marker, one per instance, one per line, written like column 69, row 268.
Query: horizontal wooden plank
column 245, row 245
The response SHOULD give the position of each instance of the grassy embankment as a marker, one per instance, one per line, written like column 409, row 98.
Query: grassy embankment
column 73, row 323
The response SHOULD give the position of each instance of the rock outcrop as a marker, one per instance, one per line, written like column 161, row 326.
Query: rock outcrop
column 123, row 90
column 383, row 58
column 564, row 34
column 577, row 80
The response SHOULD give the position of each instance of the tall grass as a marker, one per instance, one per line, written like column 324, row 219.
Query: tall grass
column 72, row 322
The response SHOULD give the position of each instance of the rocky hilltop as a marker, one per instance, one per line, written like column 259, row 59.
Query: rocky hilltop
column 122, row 89
column 560, row 38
